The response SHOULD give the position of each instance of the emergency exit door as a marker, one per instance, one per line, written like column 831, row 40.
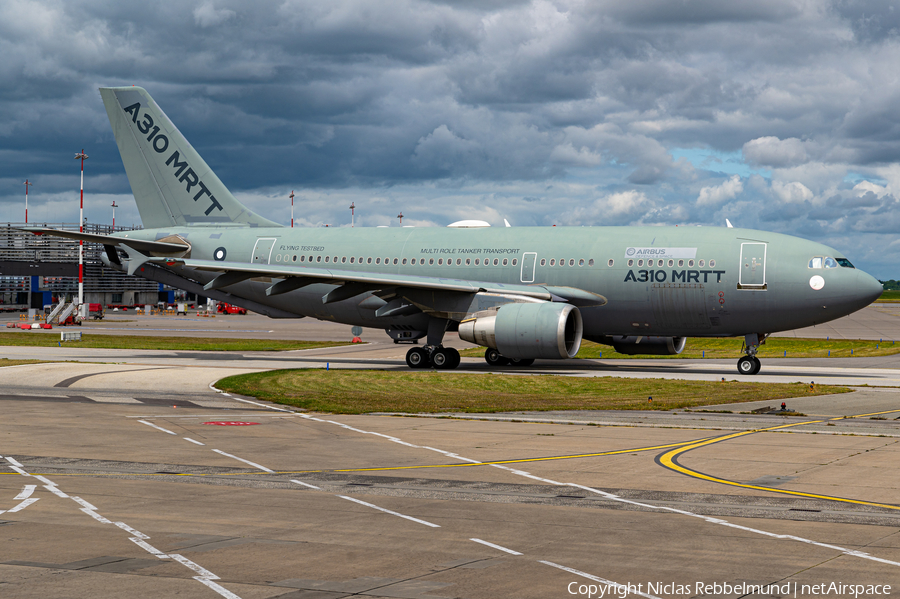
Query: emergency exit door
column 753, row 266
column 262, row 251
column 528, row 260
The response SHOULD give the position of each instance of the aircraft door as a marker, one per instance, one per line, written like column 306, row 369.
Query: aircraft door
column 528, row 260
column 262, row 251
column 753, row 266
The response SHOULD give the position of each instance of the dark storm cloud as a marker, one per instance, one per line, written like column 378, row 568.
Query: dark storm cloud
column 552, row 111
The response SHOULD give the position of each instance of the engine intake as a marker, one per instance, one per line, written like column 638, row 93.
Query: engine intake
column 647, row 346
column 527, row 330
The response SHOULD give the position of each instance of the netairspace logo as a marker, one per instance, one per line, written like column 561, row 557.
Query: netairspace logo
column 654, row 590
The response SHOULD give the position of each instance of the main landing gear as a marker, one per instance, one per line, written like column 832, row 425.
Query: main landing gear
column 433, row 353
column 442, row 358
column 493, row 358
column 749, row 364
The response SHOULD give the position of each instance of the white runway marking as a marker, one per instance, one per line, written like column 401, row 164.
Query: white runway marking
column 254, row 464
column 26, row 492
column 205, row 576
column 14, row 462
column 632, row 590
column 192, row 441
column 381, row 509
column 616, row 498
column 510, row 551
column 159, row 428
column 300, row 482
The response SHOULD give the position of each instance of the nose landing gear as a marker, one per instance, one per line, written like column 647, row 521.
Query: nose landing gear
column 750, row 364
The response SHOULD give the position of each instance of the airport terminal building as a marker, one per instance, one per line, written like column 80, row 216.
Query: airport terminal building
column 39, row 270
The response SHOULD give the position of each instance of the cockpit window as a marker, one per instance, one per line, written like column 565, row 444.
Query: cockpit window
column 845, row 263
column 830, row 263
column 816, row 262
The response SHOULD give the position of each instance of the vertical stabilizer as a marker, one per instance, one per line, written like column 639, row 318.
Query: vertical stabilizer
column 171, row 183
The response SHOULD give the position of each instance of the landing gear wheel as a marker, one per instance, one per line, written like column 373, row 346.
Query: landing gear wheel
column 748, row 365
column 417, row 358
column 493, row 357
column 757, row 365
column 521, row 362
column 445, row 358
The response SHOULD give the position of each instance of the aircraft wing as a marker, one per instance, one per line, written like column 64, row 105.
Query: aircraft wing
column 355, row 282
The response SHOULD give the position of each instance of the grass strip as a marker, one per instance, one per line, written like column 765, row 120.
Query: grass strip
column 7, row 362
column 730, row 347
column 360, row 391
column 95, row 341
column 889, row 297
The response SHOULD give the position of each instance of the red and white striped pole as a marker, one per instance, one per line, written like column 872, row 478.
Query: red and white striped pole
column 114, row 215
column 82, row 156
column 27, row 183
column 292, row 208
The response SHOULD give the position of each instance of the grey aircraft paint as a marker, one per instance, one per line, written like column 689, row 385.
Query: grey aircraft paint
column 639, row 288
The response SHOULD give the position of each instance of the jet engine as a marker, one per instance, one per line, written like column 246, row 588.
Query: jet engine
column 527, row 330
column 647, row 346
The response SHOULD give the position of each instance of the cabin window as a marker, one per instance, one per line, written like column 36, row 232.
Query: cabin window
column 368, row 260
column 640, row 263
column 277, row 257
column 830, row 262
column 403, row 261
column 660, row 263
column 496, row 261
column 630, row 263
column 612, row 262
column 468, row 261
column 377, row 260
column 431, row 261
column 477, row 262
column 395, row 261
column 295, row 257
column 543, row 262
column 515, row 261
column 571, row 261
column 352, row 259
column 343, row 259
column 440, row 261
column 302, row 258
column 591, row 262
column 700, row 264
column 712, row 263
column 458, row 261
column 680, row 263
column 691, row 263
column 318, row 258
column 581, row 262
column 562, row 261
column 672, row 263
column 505, row 262
column 335, row 260
column 552, row 262
column 327, row 258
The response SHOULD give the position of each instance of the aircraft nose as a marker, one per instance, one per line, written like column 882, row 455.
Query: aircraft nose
column 869, row 288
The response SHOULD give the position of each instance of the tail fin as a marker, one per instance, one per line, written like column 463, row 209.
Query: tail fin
column 171, row 183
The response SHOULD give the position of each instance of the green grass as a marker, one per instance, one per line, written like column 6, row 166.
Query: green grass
column 730, row 347
column 35, row 339
column 7, row 362
column 361, row 391
column 889, row 297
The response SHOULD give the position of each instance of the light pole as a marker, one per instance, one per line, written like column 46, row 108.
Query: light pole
column 27, row 183
column 400, row 216
column 292, row 208
column 114, row 215
column 82, row 156
column 352, row 208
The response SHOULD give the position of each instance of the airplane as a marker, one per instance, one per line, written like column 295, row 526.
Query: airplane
column 524, row 293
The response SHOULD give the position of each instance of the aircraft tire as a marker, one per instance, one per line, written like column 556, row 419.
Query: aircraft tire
column 756, row 365
column 522, row 362
column 445, row 358
column 493, row 357
column 746, row 365
column 417, row 358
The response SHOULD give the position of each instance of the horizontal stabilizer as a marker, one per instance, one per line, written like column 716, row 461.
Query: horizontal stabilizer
column 155, row 247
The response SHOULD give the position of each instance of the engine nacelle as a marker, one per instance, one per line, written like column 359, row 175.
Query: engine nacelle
column 527, row 330
column 647, row 346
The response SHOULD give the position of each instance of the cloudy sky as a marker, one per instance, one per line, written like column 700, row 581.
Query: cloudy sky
column 775, row 114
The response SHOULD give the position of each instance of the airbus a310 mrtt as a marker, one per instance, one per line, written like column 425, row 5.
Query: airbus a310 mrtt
column 524, row 293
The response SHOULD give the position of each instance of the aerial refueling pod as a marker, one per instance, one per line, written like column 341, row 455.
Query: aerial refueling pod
column 527, row 330
column 648, row 346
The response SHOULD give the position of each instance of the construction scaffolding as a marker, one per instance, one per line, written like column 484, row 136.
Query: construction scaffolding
column 36, row 270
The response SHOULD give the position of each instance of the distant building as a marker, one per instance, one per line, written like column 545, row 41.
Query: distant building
column 40, row 270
